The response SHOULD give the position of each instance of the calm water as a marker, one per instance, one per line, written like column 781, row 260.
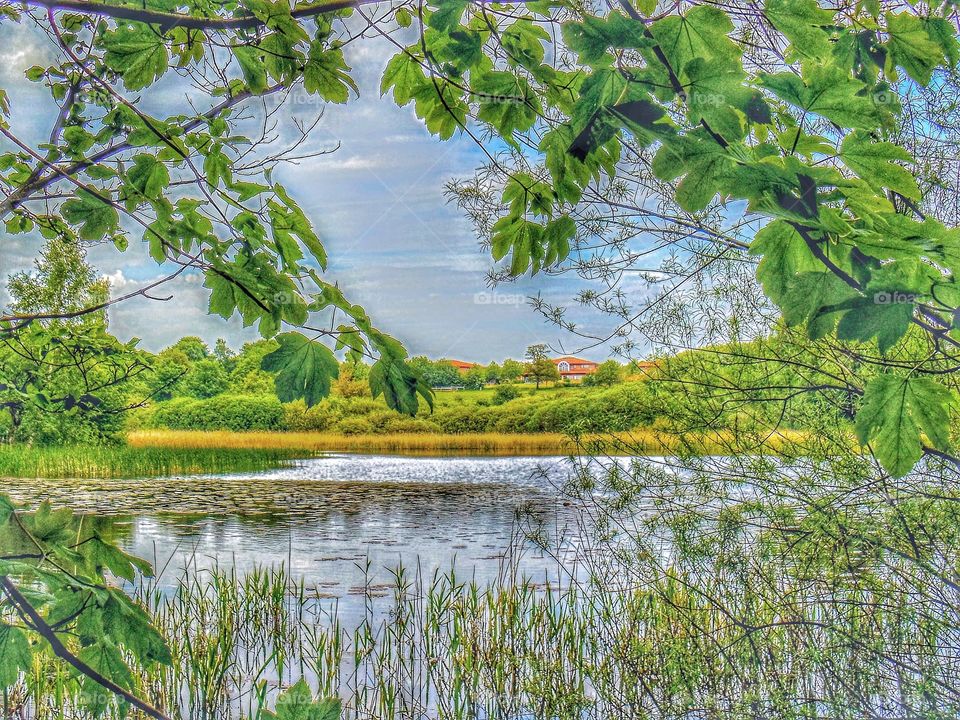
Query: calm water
column 342, row 521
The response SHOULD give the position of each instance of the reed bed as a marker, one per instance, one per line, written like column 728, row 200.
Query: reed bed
column 87, row 462
column 446, row 648
column 636, row 442
column 442, row 648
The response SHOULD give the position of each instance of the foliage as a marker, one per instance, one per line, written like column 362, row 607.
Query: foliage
column 174, row 181
column 61, row 379
column 205, row 379
column 609, row 372
column 542, row 370
column 437, row 373
column 224, row 412
column 505, row 393
column 511, row 370
column 77, row 613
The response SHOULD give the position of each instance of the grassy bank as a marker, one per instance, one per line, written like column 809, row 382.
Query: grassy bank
column 135, row 461
column 636, row 442
column 153, row 453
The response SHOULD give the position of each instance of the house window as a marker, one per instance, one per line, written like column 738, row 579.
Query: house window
column 564, row 366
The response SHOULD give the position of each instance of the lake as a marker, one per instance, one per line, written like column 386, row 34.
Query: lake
column 341, row 522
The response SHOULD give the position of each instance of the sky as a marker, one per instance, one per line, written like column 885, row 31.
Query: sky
column 396, row 244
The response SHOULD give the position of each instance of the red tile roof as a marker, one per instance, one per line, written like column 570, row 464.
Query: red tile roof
column 462, row 364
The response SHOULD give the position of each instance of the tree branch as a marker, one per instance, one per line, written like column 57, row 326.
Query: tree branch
column 36, row 621
column 170, row 20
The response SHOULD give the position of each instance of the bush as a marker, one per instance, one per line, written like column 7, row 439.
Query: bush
column 464, row 419
column 224, row 412
column 403, row 424
column 354, row 426
column 505, row 393
column 298, row 417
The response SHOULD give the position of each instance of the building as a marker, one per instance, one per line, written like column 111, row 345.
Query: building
column 462, row 365
column 573, row 368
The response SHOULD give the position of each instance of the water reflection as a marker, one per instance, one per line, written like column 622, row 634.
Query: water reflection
column 340, row 522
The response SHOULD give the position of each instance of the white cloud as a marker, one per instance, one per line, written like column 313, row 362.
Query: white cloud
column 396, row 244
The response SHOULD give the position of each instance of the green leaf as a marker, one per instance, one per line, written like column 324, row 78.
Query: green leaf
column 556, row 238
column 399, row 384
column 876, row 163
column 298, row 703
column 506, row 101
column 874, row 316
column 785, row 254
column 523, row 43
column 405, row 75
column 15, row 655
column 523, row 238
column 95, row 217
column 148, row 176
column 326, row 74
column 807, row 296
column 252, row 66
column 293, row 221
column 594, row 35
column 216, row 167
column 447, row 15
column 105, row 657
column 894, row 411
column 304, row 368
column 700, row 33
column 704, row 164
column 911, row 46
column 100, row 554
column 137, row 52
column 805, row 25
column 829, row 91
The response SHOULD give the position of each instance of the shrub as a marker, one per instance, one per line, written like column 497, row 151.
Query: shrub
column 224, row 412
column 403, row 424
column 354, row 426
column 505, row 393
column 464, row 419
column 297, row 416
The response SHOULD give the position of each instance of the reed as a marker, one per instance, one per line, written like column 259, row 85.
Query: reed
column 636, row 442
column 85, row 462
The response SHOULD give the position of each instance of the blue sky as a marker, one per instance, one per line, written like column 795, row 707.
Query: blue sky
column 396, row 244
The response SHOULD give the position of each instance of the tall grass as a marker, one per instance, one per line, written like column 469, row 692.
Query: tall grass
column 443, row 648
column 636, row 442
column 85, row 462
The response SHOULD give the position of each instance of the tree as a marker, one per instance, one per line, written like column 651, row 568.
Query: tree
column 193, row 347
column 437, row 373
column 511, row 370
column 542, row 370
column 108, row 171
column 224, row 355
column 168, row 374
column 247, row 376
column 536, row 352
column 205, row 379
column 352, row 381
column 61, row 379
column 493, row 373
column 609, row 372
column 474, row 379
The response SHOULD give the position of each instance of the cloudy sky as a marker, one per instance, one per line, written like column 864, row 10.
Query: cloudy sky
column 396, row 244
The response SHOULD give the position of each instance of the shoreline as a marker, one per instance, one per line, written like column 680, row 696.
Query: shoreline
column 638, row 442
column 164, row 453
